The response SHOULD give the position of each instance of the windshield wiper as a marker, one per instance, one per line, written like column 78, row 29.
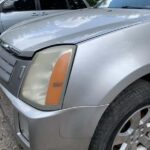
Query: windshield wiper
column 133, row 7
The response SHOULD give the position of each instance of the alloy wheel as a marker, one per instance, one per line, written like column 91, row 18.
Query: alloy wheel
column 135, row 132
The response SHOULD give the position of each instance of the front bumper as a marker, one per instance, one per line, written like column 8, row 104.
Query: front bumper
column 68, row 129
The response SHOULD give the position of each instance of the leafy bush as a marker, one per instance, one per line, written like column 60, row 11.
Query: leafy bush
column 92, row 2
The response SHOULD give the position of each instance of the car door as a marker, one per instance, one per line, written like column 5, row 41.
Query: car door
column 48, row 7
column 14, row 11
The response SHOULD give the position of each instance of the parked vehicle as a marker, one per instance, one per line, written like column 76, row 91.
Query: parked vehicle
column 14, row 11
column 81, row 80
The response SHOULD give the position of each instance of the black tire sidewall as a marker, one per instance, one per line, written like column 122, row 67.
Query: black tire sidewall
column 132, row 99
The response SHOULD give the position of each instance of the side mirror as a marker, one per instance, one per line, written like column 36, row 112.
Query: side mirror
column 8, row 5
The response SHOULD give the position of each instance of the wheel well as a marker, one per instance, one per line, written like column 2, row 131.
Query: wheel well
column 146, row 77
column 140, row 88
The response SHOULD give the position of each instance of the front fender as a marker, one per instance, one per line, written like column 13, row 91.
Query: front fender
column 102, row 69
column 106, row 65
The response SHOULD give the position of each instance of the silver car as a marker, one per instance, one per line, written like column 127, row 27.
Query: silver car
column 14, row 11
column 81, row 80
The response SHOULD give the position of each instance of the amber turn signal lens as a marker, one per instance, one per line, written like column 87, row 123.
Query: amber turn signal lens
column 58, row 78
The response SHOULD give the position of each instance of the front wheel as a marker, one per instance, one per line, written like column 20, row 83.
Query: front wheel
column 126, row 123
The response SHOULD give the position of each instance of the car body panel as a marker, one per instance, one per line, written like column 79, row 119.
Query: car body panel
column 69, row 28
column 10, row 19
column 111, row 54
column 51, row 125
column 114, row 61
column 13, row 17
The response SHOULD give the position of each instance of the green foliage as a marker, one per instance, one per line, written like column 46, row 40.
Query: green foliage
column 92, row 2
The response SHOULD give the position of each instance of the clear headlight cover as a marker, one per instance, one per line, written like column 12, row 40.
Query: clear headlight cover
column 46, row 78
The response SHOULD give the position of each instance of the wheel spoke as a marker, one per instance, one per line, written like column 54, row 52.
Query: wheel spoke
column 135, row 120
column 133, row 147
column 124, row 146
column 121, row 138
column 146, row 128
column 146, row 118
column 145, row 142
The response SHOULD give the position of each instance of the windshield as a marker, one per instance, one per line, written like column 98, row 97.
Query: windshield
column 139, row 4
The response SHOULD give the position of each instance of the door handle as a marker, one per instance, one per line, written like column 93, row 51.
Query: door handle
column 35, row 14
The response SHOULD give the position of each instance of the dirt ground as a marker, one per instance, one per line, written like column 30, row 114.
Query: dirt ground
column 7, row 139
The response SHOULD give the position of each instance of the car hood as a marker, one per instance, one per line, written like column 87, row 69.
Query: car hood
column 68, row 28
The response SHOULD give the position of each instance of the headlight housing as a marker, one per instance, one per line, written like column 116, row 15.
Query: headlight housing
column 46, row 79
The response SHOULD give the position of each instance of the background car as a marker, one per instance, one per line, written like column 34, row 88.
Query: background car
column 14, row 11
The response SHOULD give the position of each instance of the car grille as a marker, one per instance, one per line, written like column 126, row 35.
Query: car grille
column 7, row 62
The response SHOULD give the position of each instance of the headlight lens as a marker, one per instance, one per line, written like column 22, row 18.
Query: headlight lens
column 47, row 76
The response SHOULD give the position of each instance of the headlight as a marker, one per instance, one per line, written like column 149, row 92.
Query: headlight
column 46, row 79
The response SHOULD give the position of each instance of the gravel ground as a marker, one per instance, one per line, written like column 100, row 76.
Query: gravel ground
column 7, row 139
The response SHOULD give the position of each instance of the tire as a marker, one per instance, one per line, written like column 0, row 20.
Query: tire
column 118, row 119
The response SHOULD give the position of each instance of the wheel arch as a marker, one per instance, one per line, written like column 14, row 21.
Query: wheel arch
column 136, row 85
column 140, row 73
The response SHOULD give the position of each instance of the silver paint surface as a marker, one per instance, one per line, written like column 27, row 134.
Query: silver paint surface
column 67, row 28
column 47, row 127
column 9, row 18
